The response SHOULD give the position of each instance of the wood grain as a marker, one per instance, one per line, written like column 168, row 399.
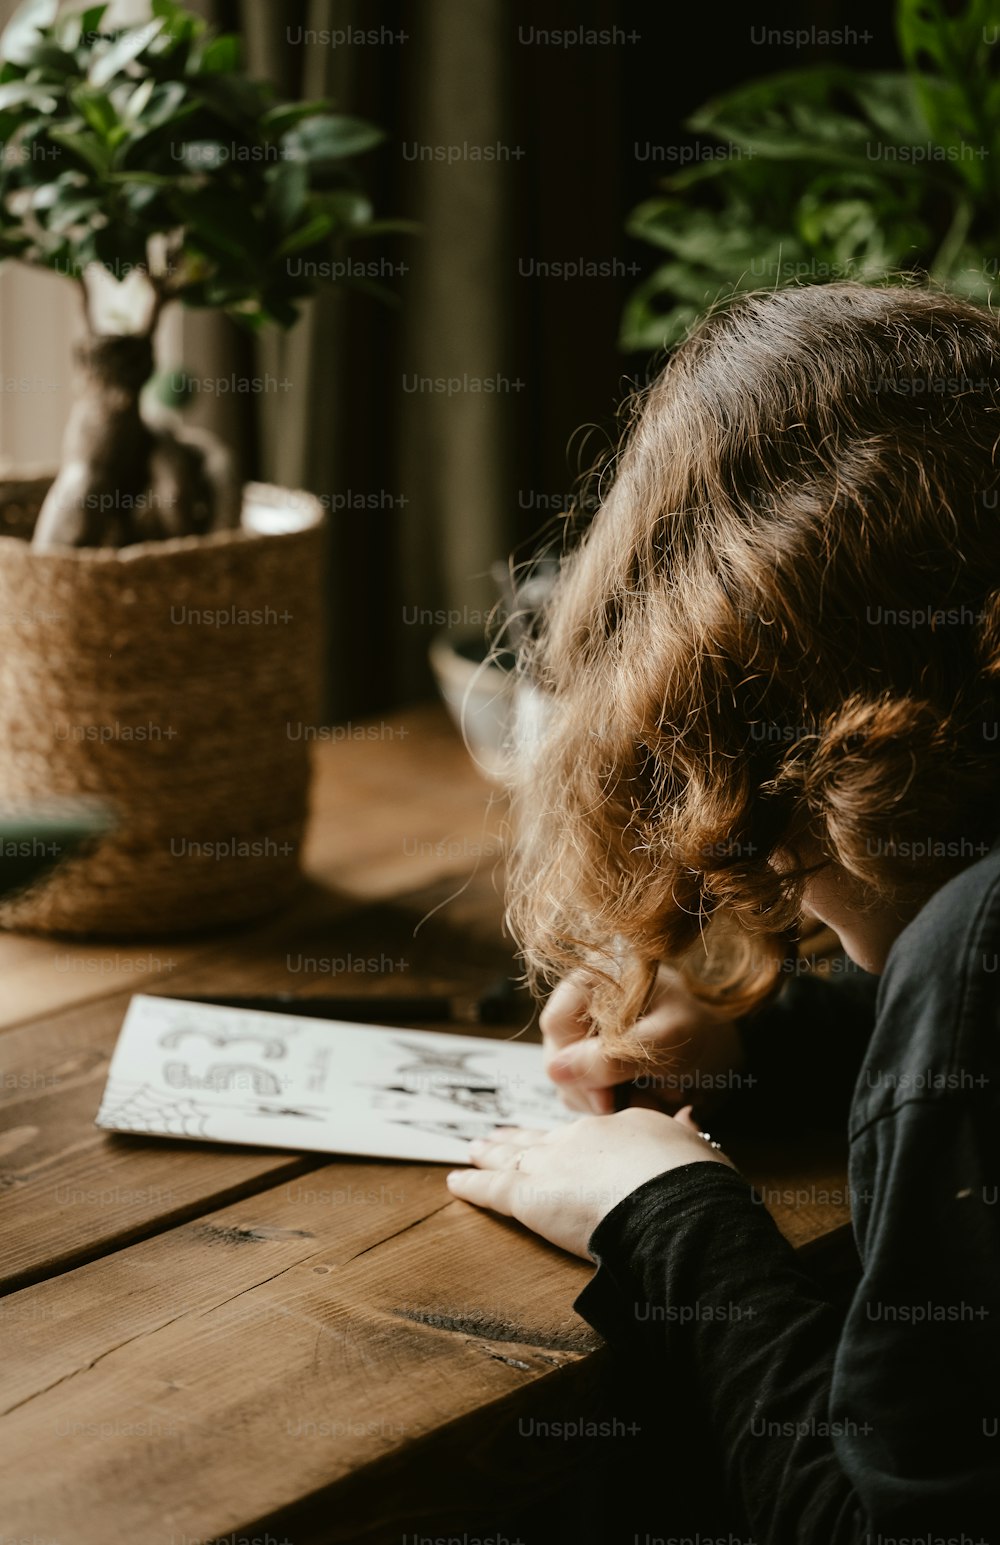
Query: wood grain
column 200, row 1341
column 69, row 1192
column 269, row 1350
column 391, row 813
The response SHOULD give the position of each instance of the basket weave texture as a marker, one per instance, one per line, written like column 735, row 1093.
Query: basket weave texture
column 171, row 681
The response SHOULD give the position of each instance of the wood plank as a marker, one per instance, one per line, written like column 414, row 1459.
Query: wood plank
column 213, row 1336
column 41, row 976
column 802, row 1180
column 392, row 815
column 64, row 1325
column 230, row 1411
column 504, row 1473
column 208, row 1329
column 363, row 842
column 68, row 1192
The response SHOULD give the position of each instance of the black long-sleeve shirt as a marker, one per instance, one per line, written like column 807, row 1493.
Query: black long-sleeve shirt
column 884, row 1427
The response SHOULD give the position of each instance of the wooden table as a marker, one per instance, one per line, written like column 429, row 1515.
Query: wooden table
column 209, row 1343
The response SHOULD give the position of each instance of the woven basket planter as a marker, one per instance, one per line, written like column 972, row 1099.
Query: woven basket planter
column 172, row 682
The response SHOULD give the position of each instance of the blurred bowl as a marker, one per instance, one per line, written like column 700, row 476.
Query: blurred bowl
column 478, row 687
column 498, row 713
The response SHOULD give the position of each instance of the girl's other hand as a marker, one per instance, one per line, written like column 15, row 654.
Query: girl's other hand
column 694, row 1051
column 561, row 1183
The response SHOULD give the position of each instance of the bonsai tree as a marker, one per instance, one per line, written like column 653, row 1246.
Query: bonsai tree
column 145, row 167
column 834, row 173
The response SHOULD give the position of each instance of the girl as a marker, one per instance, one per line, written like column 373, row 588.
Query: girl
column 773, row 669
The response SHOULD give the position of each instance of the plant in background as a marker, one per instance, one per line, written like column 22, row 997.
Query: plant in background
column 833, row 173
column 143, row 165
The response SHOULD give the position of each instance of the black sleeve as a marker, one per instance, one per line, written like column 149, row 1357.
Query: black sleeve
column 816, row 1022
column 916, row 1385
column 695, row 1279
column 883, row 1428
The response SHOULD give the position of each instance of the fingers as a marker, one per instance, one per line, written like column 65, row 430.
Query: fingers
column 507, row 1148
column 509, row 1137
column 586, row 1065
column 564, row 1017
column 492, row 1182
column 484, row 1188
column 588, row 1102
column 565, row 1025
column 577, row 1061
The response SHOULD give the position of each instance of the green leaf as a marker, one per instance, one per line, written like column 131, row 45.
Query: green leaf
column 948, row 54
column 288, row 186
column 95, row 107
column 45, row 195
column 644, row 327
column 954, row 40
column 112, row 60
column 974, row 276
column 120, row 248
column 78, row 29
column 827, row 115
column 221, row 56
column 236, row 100
column 45, row 57
column 39, row 839
column 154, row 131
column 307, row 235
column 141, row 179
column 139, row 100
column 21, row 33
column 167, row 103
column 37, row 161
column 17, row 93
column 278, row 308
column 888, row 103
column 202, row 155
column 348, row 206
column 222, row 227
column 91, row 18
column 87, row 146
column 140, row 196
column 279, row 119
column 322, row 140
column 67, row 214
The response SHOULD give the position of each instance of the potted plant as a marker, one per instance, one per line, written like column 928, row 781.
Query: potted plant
column 160, row 629
column 835, row 173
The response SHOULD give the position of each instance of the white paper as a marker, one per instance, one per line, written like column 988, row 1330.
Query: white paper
column 201, row 1071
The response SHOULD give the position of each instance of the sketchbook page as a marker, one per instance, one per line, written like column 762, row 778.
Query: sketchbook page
column 229, row 1075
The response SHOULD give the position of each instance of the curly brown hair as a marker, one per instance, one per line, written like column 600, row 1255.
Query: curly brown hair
column 780, row 636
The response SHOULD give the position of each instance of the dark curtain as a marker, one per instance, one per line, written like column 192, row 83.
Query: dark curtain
column 428, row 487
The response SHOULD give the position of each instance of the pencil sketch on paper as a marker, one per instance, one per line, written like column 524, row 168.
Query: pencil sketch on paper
column 202, row 1070
column 443, row 1073
column 222, row 1075
column 270, row 1045
column 317, row 1113
column 148, row 1110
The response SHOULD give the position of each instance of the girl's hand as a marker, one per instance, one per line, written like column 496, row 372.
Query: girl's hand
column 562, row 1183
column 695, row 1050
